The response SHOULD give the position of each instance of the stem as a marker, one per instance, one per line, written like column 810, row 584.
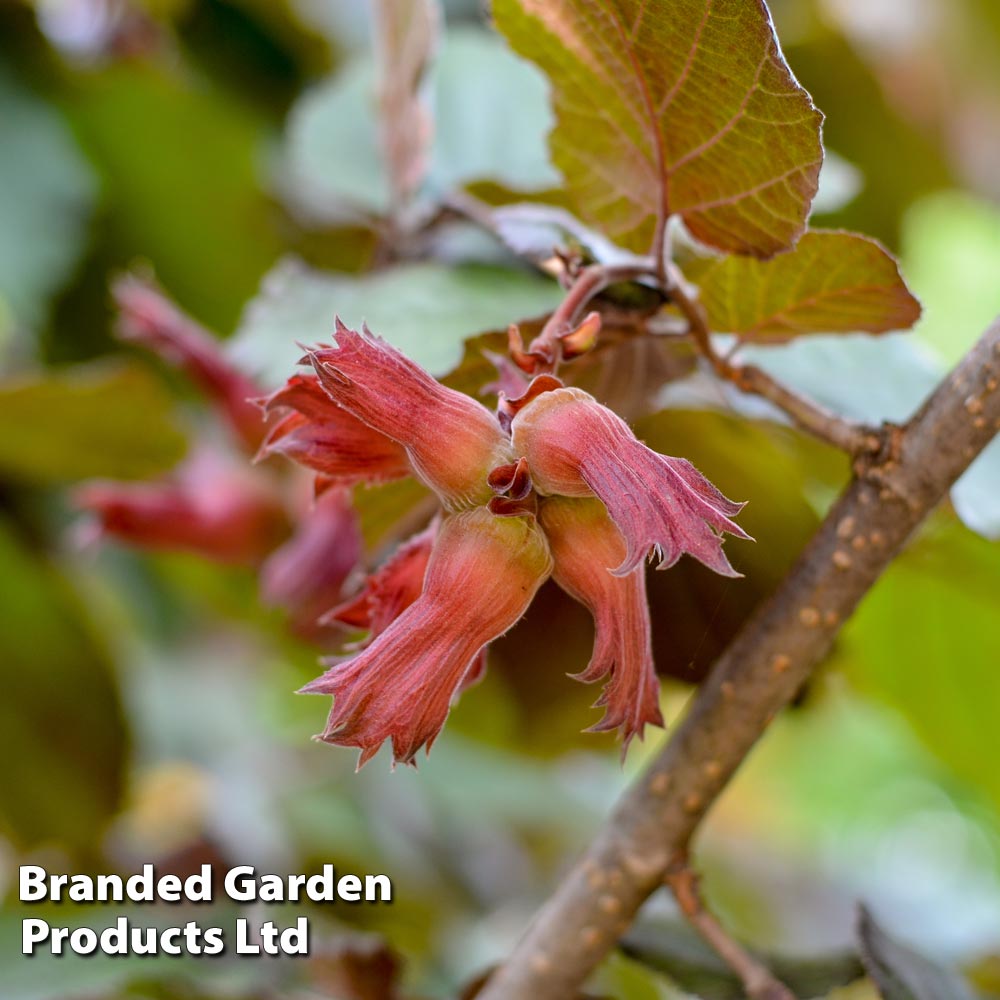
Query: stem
column 660, row 251
column 759, row 673
column 587, row 283
column 857, row 439
column 848, row 435
column 758, row 981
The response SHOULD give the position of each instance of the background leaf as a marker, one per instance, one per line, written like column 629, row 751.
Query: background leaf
column 426, row 310
column 674, row 107
column 902, row 974
column 874, row 380
column 491, row 117
column 938, row 668
column 333, row 162
column 62, row 734
column 87, row 422
column 976, row 495
column 849, row 374
column 47, row 190
column 830, row 282
column 181, row 157
column 951, row 253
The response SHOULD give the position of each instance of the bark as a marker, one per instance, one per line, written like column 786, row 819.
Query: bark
column 760, row 672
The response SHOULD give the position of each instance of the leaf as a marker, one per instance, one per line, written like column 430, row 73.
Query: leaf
column 490, row 117
column 181, row 158
column 674, row 107
column 864, row 123
column 832, row 282
column 62, row 735
column 976, row 496
column 951, row 250
column 47, row 190
column 316, row 176
column 86, row 422
column 901, row 973
column 333, row 162
column 926, row 642
column 426, row 310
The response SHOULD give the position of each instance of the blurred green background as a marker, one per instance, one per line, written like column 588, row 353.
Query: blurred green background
column 147, row 712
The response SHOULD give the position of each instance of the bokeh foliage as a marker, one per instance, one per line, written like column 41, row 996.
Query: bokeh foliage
column 147, row 711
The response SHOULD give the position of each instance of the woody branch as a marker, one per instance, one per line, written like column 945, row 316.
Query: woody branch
column 758, row 674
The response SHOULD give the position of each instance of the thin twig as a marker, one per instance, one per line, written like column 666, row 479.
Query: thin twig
column 762, row 670
column 757, row 979
column 848, row 435
column 856, row 439
column 661, row 250
column 588, row 282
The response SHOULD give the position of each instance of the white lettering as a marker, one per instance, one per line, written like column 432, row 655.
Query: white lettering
column 168, row 888
column 349, row 888
column 240, row 885
column 384, row 895
column 83, row 941
column 243, row 944
column 198, row 888
column 32, row 932
column 320, row 888
column 31, row 884
column 140, row 888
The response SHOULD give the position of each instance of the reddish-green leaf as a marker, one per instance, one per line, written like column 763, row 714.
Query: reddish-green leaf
column 674, row 107
column 832, row 282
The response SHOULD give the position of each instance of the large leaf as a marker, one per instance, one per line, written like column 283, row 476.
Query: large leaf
column 832, row 282
column 674, row 106
column 62, row 736
column 900, row 973
column 334, row 164
column 87, row 422
column 46, row 194
column 426, row 310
